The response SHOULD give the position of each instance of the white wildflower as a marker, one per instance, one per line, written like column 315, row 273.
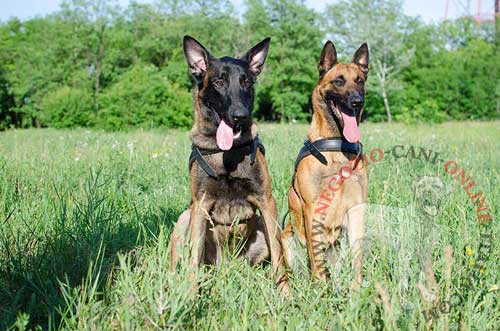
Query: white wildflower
column 130, row 146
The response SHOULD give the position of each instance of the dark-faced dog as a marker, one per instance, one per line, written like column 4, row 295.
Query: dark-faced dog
column 327, row 195
column 231, row 196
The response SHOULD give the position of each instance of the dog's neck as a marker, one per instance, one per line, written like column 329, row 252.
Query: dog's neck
column 203, row 132
column 323, row 124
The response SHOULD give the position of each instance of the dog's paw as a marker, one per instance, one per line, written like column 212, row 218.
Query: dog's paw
column 284, row 289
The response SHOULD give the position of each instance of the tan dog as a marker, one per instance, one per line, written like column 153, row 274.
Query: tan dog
column 228, row 172
column 327, row 194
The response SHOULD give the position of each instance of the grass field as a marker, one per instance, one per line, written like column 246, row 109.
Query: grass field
column 85, row 220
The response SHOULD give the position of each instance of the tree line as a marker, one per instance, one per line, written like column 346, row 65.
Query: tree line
column 95, row 64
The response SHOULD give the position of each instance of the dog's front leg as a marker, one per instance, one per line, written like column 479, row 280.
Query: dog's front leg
column 356, row 233
column 293, row 230
column 198, row 232
column 316, row 245
column 179, row 238
column 269, row 213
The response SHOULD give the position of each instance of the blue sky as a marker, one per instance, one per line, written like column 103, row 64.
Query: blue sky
column 429, row 10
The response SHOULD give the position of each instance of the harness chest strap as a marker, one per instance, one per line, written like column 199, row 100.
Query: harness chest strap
column 324, row 145
column 327, row 145
column 198, row 153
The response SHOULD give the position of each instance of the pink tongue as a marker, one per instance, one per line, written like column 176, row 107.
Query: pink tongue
column 224, row 136
column 351, row 130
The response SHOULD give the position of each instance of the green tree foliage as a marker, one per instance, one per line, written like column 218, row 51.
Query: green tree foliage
column 454, row 74
column 7, row 104
column 144, row 97
column 67, row 107
column 93, row 63
column 291, row 74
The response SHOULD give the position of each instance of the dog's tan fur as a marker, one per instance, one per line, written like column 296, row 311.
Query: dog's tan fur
column 347, row 206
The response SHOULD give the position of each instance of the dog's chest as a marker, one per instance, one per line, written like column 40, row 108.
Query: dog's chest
column 237, row 181
column 338, row 182
column 230, row 200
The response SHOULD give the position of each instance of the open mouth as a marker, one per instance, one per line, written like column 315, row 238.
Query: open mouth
column 226, row 134
column 348, row 121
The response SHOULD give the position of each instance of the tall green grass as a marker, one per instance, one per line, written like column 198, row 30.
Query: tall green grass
column 86, row 216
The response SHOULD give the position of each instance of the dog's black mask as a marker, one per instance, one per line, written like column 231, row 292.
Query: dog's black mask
column 226, row 85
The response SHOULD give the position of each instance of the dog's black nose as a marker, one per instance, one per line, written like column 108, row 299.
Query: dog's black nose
column 357, row 102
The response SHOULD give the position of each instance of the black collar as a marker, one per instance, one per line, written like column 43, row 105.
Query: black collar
column 247, row 148
column 327, row 145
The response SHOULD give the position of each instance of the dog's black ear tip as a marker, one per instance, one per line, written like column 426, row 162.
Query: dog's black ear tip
column 330, row 46
column 188, row 39
column 265, row 42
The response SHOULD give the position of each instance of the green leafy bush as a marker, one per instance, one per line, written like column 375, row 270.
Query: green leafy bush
column 67, row 107
column 144, row 97
column 427, row 111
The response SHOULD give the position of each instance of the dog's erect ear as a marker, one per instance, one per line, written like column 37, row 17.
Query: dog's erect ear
column 256, row 56
column 328, row 58
column 361, row 58
column 197, row 56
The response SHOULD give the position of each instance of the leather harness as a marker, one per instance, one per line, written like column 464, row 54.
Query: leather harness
column 328, row 145
column 324, row 145
column 250, row 148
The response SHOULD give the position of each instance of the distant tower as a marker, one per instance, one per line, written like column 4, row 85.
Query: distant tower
column 480, row 10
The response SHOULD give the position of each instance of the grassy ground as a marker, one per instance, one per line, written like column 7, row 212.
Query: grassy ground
column 85, row 220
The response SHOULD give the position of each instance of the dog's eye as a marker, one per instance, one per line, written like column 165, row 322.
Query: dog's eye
column 360, row 82
column 219, row 82
column 247, row 83
column 339, row 82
